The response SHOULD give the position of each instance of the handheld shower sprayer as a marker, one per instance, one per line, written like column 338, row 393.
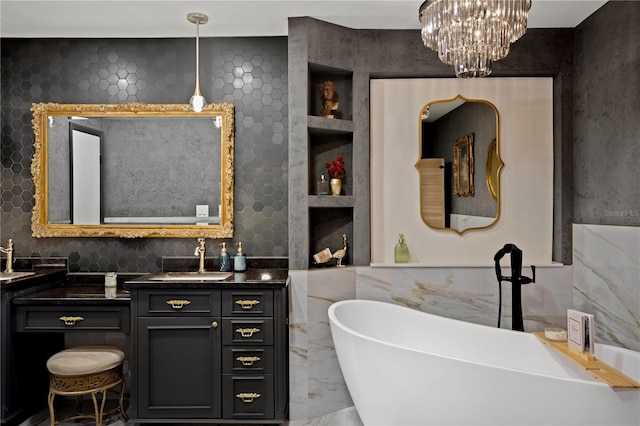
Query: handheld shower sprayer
column 516, row 279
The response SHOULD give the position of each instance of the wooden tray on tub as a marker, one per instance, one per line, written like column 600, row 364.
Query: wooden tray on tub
column 597, row 368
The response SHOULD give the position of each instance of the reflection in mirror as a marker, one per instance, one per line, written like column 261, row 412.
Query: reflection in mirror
column 86, row 170
column 133, row 170
column 459, row 138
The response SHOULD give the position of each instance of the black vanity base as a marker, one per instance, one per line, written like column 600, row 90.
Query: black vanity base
column 210, row 352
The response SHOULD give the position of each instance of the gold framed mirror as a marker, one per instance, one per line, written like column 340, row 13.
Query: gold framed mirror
column 455, row 134
column 133, row 170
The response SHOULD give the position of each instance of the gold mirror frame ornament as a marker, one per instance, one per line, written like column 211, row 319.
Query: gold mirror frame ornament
column 41, row 228
column 492, row 169
column 493, row 161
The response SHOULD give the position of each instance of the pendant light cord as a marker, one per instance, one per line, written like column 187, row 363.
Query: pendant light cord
column 197, row 92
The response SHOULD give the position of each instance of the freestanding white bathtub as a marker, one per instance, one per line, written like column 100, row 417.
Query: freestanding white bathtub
column 406, row 367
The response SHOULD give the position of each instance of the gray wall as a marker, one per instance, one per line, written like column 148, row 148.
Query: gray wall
column 162, row 168
column 607, row 116
column 251, row 73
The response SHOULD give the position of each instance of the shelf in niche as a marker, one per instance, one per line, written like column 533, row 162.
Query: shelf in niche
column 343, row 81
column 330, row 201
column 323, row 125
column 326, row 226
column 324, row 148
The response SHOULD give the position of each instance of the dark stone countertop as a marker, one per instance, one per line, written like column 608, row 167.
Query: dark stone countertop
column 88, row 289
column 52, row 284
column 262, row 278
column 74, row 294
column 39, row 276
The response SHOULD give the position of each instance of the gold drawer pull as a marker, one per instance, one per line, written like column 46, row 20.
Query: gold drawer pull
column 248, row 361
column 247, row 304
column 214, row 324
column 248, row 397
column 247, row 332
column 178, row 304
column 70, row 320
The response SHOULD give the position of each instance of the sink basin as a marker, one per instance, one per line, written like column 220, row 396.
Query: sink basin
column 10, row 275
column 191, row 276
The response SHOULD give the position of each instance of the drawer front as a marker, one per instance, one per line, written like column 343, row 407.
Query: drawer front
column 61, row 318
column 247, row 331
column 247, row 360
column 247, row 397
column 172, row 302
column 247, row 302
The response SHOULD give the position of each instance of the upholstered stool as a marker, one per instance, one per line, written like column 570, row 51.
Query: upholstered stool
column 86, row 370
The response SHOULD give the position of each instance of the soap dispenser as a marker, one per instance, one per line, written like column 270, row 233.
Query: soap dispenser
column 401, row 252
column 240, row 260
column 323, row 186
column 224, row 259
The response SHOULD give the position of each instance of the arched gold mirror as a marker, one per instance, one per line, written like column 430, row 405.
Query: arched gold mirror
column 133, row 170
column 459, row 165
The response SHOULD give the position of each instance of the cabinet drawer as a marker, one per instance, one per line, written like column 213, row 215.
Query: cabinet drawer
column 247, row 331
column 247, row 360
column 247, row 302
column 172, row 302
column 63, row 318
column 247, row 397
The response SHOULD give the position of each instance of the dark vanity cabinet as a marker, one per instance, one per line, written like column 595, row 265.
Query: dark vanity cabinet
column 177, row 362
column 24, row 378
column 209, row 351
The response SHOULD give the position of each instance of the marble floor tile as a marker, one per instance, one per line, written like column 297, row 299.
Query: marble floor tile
column 345, row 417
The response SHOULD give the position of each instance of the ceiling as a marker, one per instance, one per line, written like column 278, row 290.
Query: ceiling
column 236, row 18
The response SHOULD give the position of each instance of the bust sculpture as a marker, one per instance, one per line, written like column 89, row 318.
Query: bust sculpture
column 329, row 99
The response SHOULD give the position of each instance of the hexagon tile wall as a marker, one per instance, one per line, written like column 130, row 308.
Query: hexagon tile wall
column 251, row 73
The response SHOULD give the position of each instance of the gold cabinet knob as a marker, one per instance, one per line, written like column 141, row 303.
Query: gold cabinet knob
column 214, row 324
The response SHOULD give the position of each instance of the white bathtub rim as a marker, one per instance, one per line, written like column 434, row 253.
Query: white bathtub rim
column 334, row 321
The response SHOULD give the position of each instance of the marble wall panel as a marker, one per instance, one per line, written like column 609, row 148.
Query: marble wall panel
column 298, row 346
column 316, row 384
column 606, row 280
column 471, row 294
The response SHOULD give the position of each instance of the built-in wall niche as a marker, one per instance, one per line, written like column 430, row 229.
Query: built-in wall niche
column 325, row 146
column 327, row 225
column 342, row 80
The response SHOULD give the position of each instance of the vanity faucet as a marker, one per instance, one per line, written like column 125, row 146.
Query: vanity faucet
column 200, row 251
column 9, row 251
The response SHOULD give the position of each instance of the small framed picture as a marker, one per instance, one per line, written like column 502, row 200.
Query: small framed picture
column 463, row 166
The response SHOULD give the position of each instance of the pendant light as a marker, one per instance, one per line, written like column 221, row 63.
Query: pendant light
column 197, row 101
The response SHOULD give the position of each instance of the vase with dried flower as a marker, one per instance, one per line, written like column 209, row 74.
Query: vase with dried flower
column 337, row 172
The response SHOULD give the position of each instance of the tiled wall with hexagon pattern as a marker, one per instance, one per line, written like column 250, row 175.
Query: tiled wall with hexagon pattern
column 251, row 73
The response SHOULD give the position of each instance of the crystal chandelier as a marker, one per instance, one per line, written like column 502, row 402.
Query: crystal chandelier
column 470, row 34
